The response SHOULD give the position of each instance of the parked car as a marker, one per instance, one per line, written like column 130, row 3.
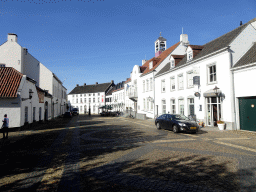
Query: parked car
column 104, row 113
column 75, row 111
column 176, row 123
column 67, row 114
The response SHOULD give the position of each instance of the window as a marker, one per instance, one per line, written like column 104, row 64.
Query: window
column 163, row 85
column 144, row 104
column 84, row 100
column 172, row 83
column 76, row 95
column 81, row 108
column 191, row 106
column 73, row 95
column 89, row 94
column 151, row 105
column 180, row 80
column 98, row 99
column 93, row 100
column 190, row 79
column 212, row 74
column 81, row 100
column 93, row 94
column 181, row 106
column 144, row 86
column 84, row 95
column 98, row 94
column 172, row 63
column 81, row 95
column 151, row 65
column 147, row 84
column 147, row 104
column 190, row 55
column 173, row 107
column 26, row 114
column 89, row 100
column 93, row 109
column 163, row 106
column 76, row 100
column 151, row 84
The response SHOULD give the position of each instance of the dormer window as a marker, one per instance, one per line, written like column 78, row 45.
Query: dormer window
column 190, row 55
column 172, row 63
column 151, row 65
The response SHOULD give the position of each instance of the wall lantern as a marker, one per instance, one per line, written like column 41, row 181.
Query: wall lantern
column 216, row 90
column 30, row 95
column 56, row 101
column 150, row 99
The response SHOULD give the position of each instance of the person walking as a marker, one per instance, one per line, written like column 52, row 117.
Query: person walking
column 5, row 126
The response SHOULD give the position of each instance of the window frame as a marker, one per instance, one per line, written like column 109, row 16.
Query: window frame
column 163, row 87
column 172, row 82
column 209, row 74
column 189, row 75
column 179, row 77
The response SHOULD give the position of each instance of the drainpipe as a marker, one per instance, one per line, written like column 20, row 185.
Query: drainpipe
column 233, row 92
column 154, row 92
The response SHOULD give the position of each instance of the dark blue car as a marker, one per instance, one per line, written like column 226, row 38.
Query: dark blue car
column 176, row 123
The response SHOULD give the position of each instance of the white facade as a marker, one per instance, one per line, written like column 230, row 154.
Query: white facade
column 118, row 100
column 84, row 101
column 13, row 55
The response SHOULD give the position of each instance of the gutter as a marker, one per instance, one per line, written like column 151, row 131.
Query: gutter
column 244, row 66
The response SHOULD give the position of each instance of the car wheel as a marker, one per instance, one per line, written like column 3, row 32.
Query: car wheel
column 158, row 125
column 175, row 129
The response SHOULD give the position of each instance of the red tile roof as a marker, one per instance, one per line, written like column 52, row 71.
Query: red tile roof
column 118, row 89
column 159, row 59
column 128, row 80
column 9, row 81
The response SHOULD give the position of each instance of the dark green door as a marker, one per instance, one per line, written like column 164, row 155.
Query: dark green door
column 247, row 112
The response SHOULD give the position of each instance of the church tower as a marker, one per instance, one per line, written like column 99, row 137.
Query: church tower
column 160, row 45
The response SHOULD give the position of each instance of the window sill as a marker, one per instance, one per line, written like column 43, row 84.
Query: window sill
column 211, row 83
column 181, row 89
column 190, row 87
column 172, row 90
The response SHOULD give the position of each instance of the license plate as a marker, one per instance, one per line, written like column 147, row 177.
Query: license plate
column 192, row 127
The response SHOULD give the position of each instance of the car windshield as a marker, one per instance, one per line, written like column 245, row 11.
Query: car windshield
column 180, row 117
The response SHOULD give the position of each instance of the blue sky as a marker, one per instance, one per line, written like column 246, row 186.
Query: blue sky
column 99, row 41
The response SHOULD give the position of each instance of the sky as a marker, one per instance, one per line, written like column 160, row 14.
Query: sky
column 101, row 40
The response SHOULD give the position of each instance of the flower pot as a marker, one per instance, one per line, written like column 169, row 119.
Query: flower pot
column 221, row 126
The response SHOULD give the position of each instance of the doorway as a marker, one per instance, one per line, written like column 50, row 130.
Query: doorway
column 213, row 110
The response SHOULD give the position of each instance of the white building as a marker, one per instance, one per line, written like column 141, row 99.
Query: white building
column 245, row 95
column 91, row 97
column 141, row 89
column 15, row 56
column 212, row 63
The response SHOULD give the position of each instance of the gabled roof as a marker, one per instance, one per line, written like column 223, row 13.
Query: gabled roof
column 159, row 59
column 248, row 57
column 10, row 80
column 160, row 38
column 128, row 80
column 217, row 44
column 95, row 88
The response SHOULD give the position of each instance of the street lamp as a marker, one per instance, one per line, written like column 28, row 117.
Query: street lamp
column 30, row 95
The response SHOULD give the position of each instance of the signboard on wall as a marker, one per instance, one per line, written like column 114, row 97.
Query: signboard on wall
column 196, row 80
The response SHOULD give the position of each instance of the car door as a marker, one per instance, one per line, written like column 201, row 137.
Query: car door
column 169, row 121
column 164, row 121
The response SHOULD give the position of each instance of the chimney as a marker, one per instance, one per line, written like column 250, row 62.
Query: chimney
column 96, row 83
column 241, row 23
column 144, row 61
column 77, row 85
column 25, row 50
column 84, row 84
column 112, row 81
column 184, row 39
column 12, row 37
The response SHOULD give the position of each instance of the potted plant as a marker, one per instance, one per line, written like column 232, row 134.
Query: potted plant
column 221, row 125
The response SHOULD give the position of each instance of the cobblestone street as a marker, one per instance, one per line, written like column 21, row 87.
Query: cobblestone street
column 121, row 154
